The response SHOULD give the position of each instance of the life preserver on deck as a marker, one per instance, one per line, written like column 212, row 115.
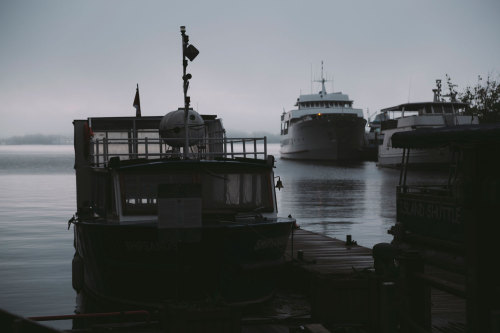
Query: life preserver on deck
column 88, row 131
column 87, row 135
column 77, row 268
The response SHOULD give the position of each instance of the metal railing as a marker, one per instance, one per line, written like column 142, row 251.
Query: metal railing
column 103, row 149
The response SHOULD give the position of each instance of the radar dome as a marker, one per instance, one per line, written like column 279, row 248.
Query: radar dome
column 172, row 128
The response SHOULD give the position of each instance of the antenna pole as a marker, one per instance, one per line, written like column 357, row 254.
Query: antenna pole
column 323, row 90
column 311, row 78
column 409, row 90
column 185, row 78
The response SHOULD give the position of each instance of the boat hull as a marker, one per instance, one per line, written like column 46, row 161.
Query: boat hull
column 141, row 263
column 422, row 158
column 328, row 137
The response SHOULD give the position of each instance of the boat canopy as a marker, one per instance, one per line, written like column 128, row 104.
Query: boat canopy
column 129, row 123
column 429, row 107
column 442, row 136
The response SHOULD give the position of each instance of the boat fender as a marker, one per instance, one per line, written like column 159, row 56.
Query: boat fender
column 77, row 267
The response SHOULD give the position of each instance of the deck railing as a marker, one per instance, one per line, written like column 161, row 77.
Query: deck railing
column 103, row 149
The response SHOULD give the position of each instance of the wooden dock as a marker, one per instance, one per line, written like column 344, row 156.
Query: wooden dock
column 344, row 290
column 338, row 278
column 327, row 256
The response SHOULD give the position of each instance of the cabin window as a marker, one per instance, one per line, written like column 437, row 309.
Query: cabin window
column 221, row 192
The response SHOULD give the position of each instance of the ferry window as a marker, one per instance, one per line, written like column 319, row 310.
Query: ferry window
column 220, row 191
column 237, row 192
column 139, row 193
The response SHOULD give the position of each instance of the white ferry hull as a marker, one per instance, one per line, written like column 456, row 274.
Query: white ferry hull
column 330, row 137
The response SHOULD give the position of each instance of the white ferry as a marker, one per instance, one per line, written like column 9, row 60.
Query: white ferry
column 324, row 126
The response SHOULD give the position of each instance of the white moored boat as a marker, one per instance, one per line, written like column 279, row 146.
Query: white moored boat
column 415, row 116
column 324, row 126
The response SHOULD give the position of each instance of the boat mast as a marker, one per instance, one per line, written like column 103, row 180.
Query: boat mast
column 323, row 90
column 190, row 52
column 322, row 81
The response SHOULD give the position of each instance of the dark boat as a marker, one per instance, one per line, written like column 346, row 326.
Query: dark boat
column 170, row 208
column 447, row 230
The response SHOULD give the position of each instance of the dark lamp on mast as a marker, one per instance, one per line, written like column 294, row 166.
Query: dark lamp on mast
column 191, row 52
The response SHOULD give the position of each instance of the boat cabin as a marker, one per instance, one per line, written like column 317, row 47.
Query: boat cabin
column 454, row 225
column 127, row 172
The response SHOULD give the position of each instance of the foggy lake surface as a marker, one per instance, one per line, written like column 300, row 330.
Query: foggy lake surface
column 37, row 197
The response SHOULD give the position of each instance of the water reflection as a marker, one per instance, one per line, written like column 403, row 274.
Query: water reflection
column 337, row 199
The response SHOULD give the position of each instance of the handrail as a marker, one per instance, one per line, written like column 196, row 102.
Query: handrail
column 103, row 149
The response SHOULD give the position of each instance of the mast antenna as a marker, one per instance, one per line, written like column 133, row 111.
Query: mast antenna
column 322, row 81
column 409, row 90
column 311, row 78
column 190, row 52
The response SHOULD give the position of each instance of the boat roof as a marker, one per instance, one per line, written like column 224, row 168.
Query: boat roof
column 336, row 96
column 120, row 123
column 442, row 136
column 419, row 105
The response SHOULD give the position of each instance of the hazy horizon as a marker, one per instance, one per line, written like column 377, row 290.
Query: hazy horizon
column 65, row 60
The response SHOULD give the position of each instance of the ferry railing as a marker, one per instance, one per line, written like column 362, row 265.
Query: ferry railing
column 103, row 149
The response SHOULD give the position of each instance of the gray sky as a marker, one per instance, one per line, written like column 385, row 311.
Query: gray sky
column 62, row 60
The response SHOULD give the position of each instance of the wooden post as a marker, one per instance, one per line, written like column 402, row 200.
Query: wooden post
column 416, row 294
column 388, row 310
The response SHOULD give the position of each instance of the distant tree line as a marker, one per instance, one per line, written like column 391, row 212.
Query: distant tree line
column 37, row 139
column 271, row 137
column 483, row 99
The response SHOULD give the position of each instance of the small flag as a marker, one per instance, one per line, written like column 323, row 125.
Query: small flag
column 137, row 103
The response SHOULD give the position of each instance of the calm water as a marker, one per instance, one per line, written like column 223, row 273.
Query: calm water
column 37, row 197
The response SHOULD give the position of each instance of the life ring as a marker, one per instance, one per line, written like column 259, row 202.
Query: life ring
column 87, row 135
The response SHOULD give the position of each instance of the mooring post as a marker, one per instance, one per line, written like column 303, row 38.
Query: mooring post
column 416, row 294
